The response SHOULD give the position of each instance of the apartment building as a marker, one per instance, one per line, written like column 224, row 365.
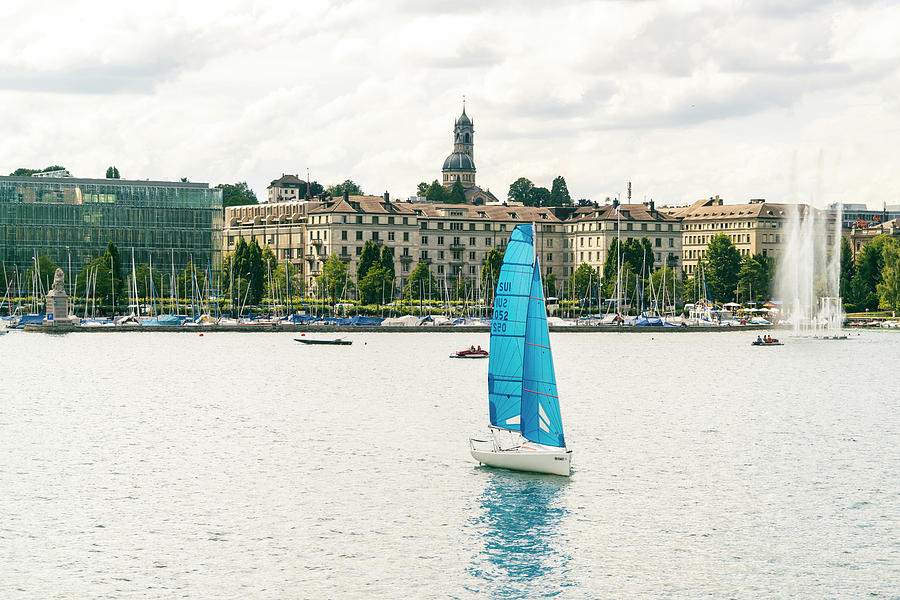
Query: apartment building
column 756, row 227
column 590, row 231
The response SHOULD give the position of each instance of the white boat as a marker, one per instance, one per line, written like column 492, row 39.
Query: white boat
column 525, row 421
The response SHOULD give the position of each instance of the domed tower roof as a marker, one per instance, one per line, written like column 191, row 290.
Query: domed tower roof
column 459, row 161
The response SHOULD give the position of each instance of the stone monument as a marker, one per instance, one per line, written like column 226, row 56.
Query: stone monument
column 58, row 300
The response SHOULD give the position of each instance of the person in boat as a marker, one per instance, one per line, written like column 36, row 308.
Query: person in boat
column 479, row 349
column 471, row 348
column 759, row 339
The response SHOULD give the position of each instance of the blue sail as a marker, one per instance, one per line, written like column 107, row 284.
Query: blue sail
column 508, row 330
column 541, row 419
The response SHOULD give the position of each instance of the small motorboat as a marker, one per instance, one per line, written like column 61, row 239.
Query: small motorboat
column 769, row 342
column 470, row 353
column 337, row 342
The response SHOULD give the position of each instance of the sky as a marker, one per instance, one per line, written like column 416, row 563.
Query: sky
column 788, row 101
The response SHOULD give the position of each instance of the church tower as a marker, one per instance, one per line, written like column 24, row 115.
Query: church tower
column 461, row 163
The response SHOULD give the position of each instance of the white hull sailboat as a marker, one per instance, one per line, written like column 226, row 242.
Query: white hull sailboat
column 526, row 424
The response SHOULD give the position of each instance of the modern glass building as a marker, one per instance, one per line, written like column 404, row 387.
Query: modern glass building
column 72, row 220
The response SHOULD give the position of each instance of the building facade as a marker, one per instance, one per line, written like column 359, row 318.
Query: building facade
column 756, row 227
column 287, row 188
column 72, row 220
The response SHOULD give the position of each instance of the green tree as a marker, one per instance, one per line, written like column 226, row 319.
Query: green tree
column 889, row 287
column 114, row 262
column 550, row 285
column 257, row 271
column 334, row 279
column 289, row 279
column 422, row 188
column 370, row 257
column 421, row 284
column 755, row 277
column 350, row 187
column 112, row 173
column 490, row 273
column 848, row 270
column 387, row 260
column 46, row 272
column 559, row 193
column 520, row 190
column 540, row 196
column 721, row 266
column 375, row 286
column 144, row 275
column 457, row 193
column 584, row 281
column 237, row 194
column 436, row 193
column 24, row 172
column 869, row 267
column 192, row 283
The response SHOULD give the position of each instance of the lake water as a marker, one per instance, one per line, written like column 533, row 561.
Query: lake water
column 250, row 466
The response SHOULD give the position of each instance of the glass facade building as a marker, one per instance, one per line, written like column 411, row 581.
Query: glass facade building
column 72, row 220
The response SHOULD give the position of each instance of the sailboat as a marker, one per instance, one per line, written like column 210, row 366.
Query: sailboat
column 526, row 424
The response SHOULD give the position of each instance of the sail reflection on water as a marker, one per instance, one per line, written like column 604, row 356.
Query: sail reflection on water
column 519, row 527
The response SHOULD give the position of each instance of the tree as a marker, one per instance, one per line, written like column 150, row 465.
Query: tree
column 24, row 172
column 540, row 196
column 112, row 173
column 550, row 285
column 387, row 260
column 436, row 193
column 421, row 284
column 375, row 286
column 520, row 190
column 315, row 189
column 257, row 272
column 422, row 188
column 350, row 187
column 662, row 280
column 584, row 281
column 869, row 267
column 144, row 276
column 490, row 272
column 848, row 269
column 889, row 287
column 755, row 277
column 114, row 262
column 721, row 267
column 559, row 193
column 237, row 194
column 457, row 193
column 610, row 269
column 333, row 280
column 46, row 272
column 371, row 256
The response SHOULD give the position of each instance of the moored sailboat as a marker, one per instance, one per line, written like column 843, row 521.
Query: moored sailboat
column 526, row 424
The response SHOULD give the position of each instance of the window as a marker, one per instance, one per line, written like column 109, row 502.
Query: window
column 502, row 226
column 658, row 243
column 549, row 257
column 471, row 241
column 406, row 221
column 375, row 235
column 440, row 240
column 406, row 251
column 457, row 255
column 406, row 267
column 440, row 255
column 471, row 270
column 550, row 243
column 471, row 256
column 359, row 235
column 671, row 242
column 405, row 236
column 359, row 219
column 440, row 269
column 471, row 226
column 456, row 241
column 487, row 226
column 440, row 224
column 358, row 250
column 424, row 239
column 390, row 236
column 643, row 227
column 374, row 220
column 390, row 220
column 423, row 225
column 487, row 241
column 628, row 226
column 423, row 254
column 344, row 235
column 344, row 250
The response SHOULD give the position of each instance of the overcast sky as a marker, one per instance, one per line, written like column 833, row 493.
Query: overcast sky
column 776, row 99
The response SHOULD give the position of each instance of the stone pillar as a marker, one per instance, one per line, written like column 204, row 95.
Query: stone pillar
column 58, row 300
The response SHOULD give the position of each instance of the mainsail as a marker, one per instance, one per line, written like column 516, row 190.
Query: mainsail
column 541, row 418
column 508, row 329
